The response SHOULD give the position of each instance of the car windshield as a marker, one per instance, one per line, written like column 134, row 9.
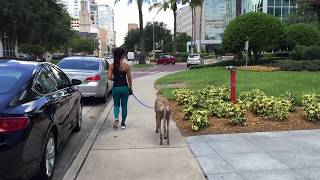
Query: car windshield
column 193, row 56
column 9, row 78
column 79, row 64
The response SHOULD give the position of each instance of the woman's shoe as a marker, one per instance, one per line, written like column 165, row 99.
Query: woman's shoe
column 123, row 126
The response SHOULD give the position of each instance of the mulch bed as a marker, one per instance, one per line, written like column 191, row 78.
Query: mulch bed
column 296, row 121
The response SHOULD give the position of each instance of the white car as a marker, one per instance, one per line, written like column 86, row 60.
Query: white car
column 93, row 72
column 194, row 59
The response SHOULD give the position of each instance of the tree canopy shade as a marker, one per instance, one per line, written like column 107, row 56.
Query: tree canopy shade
column 263, row 31
column 302, row 34
column 41, row 22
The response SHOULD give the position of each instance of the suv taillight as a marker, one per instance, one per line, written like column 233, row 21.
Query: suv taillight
column 93, row 78
column 10, row 124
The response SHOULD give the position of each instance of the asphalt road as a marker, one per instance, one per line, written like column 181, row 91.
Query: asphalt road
column 92, row 109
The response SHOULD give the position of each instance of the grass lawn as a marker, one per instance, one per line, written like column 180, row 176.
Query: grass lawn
column 272, row 83
column 136, row 66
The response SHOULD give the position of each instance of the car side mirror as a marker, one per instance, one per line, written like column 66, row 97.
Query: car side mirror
column 76, row 82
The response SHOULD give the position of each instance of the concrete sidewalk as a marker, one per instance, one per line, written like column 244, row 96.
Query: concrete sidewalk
column 134, row 153
column 284, row 155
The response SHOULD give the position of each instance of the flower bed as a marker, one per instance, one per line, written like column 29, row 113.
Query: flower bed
column 210, row 102
column 259, row 68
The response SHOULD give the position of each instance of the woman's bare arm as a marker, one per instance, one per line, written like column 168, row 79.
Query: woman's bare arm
column 110, row 76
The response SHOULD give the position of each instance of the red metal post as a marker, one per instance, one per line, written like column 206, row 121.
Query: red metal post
column 233, row 80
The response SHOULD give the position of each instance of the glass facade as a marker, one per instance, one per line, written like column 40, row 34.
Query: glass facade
column 214, row 19
column 281, row 8
column 231, row 11
column 252, row 6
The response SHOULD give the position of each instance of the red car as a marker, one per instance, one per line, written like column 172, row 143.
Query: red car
column 166, row 59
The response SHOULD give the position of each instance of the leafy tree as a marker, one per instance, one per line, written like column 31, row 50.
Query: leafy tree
column 35, row 22
column 142, row 45
column 162, row 34
column 302, row 34
column 262, row 30
column 131, row 40
column 172, row 4
column 182, row 39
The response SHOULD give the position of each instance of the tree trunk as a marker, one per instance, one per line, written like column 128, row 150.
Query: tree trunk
column 238, row 7
column 201, row 10
column 141, row 58
column 174, row 49
column 192, row 30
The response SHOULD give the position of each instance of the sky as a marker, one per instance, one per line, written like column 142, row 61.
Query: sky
column 124, row 14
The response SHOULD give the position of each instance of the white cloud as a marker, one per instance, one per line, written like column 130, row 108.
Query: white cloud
column 124, row 14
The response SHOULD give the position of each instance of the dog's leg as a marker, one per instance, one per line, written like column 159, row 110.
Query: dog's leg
column 157, row 123
column 164, row 128
column 168, row 122
column 161, row 140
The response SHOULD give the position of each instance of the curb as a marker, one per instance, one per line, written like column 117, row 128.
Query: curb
column 77, row 163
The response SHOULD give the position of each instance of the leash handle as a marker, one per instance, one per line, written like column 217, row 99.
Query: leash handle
column 142, row 102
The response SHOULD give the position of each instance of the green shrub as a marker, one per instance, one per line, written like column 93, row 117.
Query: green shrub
column 311, row 107
column 290, row 97
column 265, row 106
column 306, row 53
column 291, row 65
column 237, row 114
column 183, row 96
column 199, row 119
column 263, row 30
column 262, row 61
column 302, row 34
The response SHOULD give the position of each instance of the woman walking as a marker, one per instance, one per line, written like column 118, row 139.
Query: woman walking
column 120, row 74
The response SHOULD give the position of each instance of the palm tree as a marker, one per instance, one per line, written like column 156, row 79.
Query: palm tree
column 194, row 4
column 172, row 4
column 201, row 10
column 142, row 48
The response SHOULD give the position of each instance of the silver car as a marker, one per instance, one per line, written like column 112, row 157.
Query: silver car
column 93, row 72
column 194, row 59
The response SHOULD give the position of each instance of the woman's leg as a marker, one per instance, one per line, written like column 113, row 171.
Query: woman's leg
column 116, row 101
column 124, row 104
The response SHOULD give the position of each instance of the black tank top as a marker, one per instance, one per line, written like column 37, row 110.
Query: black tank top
column 119, row 78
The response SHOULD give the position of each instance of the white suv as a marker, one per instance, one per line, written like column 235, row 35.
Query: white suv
column 194, row 59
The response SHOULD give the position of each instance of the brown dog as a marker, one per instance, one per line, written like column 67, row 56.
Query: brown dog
column 163, row 111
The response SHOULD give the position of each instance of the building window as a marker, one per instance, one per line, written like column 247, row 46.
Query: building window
column 270, row 2
column 285, row 3
column 285, row 12
column 277, row 12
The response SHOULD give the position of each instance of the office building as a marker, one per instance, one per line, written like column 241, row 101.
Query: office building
column 73, row 7
column 213, row 24
column 132, row 26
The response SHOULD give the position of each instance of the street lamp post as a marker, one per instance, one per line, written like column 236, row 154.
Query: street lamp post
column 153, row 38
column 153, row 45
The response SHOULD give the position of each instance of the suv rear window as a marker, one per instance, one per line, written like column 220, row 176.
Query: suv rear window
column 79, row 64
column 9, row 78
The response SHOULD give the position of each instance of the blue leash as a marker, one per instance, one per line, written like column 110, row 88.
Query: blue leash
column 142, row 102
